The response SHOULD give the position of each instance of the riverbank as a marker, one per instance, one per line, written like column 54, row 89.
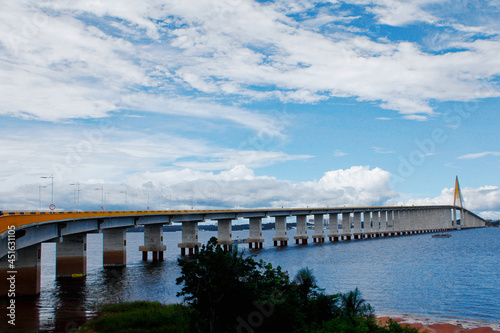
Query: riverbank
column 445, row 326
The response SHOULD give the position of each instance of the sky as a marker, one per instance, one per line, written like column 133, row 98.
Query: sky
column 210, row 104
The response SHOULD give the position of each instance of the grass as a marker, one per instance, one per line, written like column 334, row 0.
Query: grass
column 134, row 317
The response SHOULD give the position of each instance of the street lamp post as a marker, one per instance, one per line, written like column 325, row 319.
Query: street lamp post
column 52, row 178
column 133, row 200
column 78, row 194
column 126, row 204
column 102, row 196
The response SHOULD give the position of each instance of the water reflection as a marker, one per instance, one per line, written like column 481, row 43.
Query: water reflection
column 70, row 308
column 437, row 278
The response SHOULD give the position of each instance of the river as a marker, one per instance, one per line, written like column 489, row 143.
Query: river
column 435, row 279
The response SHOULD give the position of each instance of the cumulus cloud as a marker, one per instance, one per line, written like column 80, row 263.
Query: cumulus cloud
column 81, row 59
column 235, row 187
column 484, row 200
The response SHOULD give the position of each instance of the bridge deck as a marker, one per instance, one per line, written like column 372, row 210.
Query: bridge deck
column 24, row 218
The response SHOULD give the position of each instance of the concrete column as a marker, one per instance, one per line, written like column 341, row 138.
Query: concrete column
column 71, row 256
column 356, row 221
column 411, row 221
column 153, row 241
column 404, row 221
column 114, row 250
column 449, row 221
column 333, row 236
column 319, row 235
column 442, row 220
column 23, row 277
column 301, row 229
column 366, row 225
column 383, row 223
column 280, row 229
column 375, row 224
column 396, row 222
column 224, row 234
column 189, row 237
column 346, row 226
column 255, row 226
column 418, row 221
column 428, row 220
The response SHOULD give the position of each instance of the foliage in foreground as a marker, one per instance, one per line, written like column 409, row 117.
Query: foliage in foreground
column 231, row 292
column 134, row 317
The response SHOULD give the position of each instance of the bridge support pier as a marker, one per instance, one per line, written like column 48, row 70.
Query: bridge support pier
column 356, row 222
column 224, row 234
column 280, row 228
column 189, row 237
column 319, row 236
column 333, row 236
column 153, row 242
column 301, row 230
column 346, row 226
column 71, row 256
column 24, row 276
column 255, row 229
column 114, row 247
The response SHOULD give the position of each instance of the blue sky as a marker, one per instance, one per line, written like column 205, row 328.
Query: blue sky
column 236, row 103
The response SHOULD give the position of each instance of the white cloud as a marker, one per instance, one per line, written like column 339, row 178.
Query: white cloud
column 478, row 155
column 398, row 13
column 82, row 59
column 380, row 150
column 484, row 200
column 185, row 187
column 106, row 153
column 339, row 153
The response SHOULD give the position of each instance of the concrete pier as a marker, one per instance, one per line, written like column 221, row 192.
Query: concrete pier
column 301, row 229
column 281, row 237
column 383, row 223
column 189, row 237
column 224, row 234
column 319, row 235
column 255, row 229
column 356, row 222
column 366, row 225
column 153, row 242
column 375, row 225
column 346, row 226
column 71, row 256
column 395, row 223
column 333, row 235
column 114, row 247
column 23, row 278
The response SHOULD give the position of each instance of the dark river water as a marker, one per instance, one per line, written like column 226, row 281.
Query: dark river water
column 451, row 279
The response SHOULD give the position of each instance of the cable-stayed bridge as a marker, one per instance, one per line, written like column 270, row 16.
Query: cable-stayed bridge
column 23, row 232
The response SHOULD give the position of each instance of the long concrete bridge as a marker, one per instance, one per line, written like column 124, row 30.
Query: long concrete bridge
column 22, row 233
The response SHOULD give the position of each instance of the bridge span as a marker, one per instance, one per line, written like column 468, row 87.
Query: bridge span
column 23, row 232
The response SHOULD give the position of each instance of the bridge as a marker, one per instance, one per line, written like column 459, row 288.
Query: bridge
column 23, row 232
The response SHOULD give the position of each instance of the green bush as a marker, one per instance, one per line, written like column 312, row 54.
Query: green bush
column 141, row 317
column 231, row 292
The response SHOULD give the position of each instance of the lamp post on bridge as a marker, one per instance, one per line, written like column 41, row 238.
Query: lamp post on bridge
column 78, row 194
column 102, row 196
column 126, row 204
column 52, row 206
